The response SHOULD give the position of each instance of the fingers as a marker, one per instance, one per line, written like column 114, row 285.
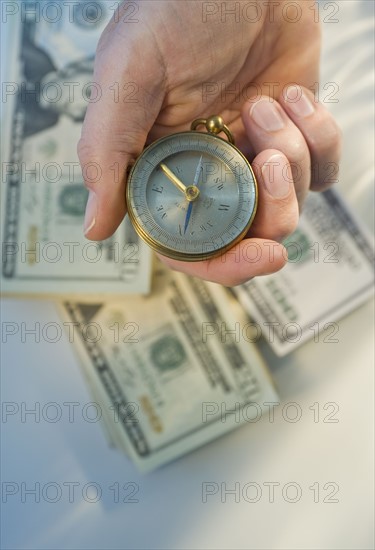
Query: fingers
column 285, row 137
column 276, row 217
column 116, row 125
column 269, row 127
column 248, row 259
column 303, row 130
column 277, row 214
column 320, row 131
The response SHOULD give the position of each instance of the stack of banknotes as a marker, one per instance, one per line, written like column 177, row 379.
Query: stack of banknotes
column 173, row 361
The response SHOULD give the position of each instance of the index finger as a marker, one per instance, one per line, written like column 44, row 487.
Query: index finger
column 128, row 99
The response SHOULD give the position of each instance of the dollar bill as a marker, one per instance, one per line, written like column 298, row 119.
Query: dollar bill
column 168, row 370
column 47, row 86
column 329, row 273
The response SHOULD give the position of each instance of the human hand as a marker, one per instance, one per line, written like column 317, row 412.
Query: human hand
column 169, row 57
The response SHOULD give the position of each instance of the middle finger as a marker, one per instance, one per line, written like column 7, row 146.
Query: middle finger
column 269, row 127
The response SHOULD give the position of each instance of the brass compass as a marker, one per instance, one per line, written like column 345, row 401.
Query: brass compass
column 192, row 195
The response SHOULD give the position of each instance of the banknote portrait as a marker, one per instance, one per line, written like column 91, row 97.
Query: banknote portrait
column 46, row 91
column 48, row 86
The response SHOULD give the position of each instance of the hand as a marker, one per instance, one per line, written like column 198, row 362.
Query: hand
column 185, row 63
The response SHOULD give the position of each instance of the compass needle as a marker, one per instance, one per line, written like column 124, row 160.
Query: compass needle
column 196, row 180
column 174, row 179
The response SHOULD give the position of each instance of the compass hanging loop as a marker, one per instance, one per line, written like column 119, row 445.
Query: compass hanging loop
column 214, row 125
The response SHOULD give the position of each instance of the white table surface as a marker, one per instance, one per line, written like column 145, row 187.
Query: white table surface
column 170, row 513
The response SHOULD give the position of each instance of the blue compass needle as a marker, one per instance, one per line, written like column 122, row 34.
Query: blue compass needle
column 196, row 180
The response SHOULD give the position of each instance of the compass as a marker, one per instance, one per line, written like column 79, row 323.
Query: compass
column 192, row 195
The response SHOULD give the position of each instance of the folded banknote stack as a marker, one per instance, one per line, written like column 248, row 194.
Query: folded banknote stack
column 172, row 361
column 169, row 369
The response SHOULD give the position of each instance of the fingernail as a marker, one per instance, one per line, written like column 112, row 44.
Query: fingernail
column 298, row 101
column 91, row 210
column 276, row 176
column 266, row 115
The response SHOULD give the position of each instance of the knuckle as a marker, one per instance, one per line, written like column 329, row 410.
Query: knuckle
column 327, row 138
column 324, row 174
column 326, row 156
column 90, row 164
column 105, row 39
column 102, row 44
column 85, row 151
column 297, row 151
column 277, row 218
column 287, row 224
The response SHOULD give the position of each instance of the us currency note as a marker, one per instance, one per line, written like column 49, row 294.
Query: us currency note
column 329, row 273
column 167, row 369
column 47, row 85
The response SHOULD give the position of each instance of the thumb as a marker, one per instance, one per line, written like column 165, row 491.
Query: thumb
column 126, row 100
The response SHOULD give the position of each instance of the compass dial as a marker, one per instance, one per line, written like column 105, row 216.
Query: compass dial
column 191, row 195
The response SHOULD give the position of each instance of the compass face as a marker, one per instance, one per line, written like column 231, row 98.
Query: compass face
column 224, row 191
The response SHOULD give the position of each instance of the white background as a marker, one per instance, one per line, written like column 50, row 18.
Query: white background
column 170, row 513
